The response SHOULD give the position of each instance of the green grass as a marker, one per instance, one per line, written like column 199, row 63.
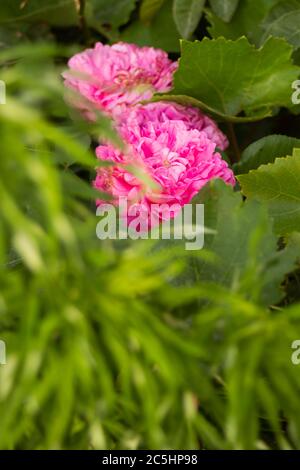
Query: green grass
column 115, row 345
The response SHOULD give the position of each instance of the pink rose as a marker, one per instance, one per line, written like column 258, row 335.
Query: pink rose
column 173, row 145
column 113, row 77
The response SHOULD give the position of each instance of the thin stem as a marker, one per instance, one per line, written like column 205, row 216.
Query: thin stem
column 236, row 154
column 82, row 21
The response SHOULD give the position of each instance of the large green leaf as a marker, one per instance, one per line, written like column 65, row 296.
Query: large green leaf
column 265, row 150
column 244, row 244
column 283, row 21
column 161, row 32
column 224, row 9
column 227, row 78
column 114, row 13
column 55, row 12
column 278, row 185
column 246, row 21
column 187, row 14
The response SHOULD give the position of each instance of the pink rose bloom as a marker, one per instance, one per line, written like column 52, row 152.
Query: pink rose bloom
column 113, row 77
column 174, row 146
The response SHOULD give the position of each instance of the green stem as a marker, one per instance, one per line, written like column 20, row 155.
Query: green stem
column 236, row 153
column 82, row 21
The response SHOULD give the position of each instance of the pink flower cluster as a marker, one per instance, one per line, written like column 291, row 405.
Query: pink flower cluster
column 114, row 77
column 173, row 145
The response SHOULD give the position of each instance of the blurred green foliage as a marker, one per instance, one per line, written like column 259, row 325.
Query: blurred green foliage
column 114, row 345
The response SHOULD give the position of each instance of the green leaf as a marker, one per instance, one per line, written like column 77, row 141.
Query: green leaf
column 149, row 8
column 244, row 244
column 224, row 9
column 114, row 13
column 77, row 187
column 265, row 150
column 56, row 12
column 278, row 185
column 246, row 21
column 228, row 78
column 161, row 32
column 283, row 21
column 187, row 14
